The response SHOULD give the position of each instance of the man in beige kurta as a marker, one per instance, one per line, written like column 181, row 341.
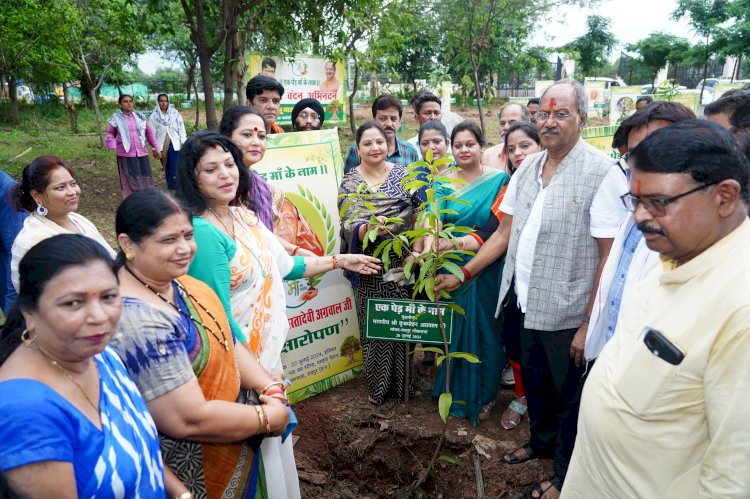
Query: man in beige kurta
column 650, row 424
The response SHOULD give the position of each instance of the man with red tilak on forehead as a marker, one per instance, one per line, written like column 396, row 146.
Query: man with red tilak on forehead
column 560, row 213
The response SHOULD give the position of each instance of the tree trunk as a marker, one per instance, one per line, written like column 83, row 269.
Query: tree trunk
column 352, row 123
column 242, row 76
column 92, row 95
column 205, row 51
column 70, row 109
column 15, row 116
column 190, row 80
column 208, row 89
column 478, row 90
column 231, row 46
column 705, row 73
column 197, row 106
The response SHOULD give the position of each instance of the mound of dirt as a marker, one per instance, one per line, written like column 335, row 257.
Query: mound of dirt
column 350, row 449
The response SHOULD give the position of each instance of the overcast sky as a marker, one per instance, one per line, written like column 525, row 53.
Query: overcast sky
column 632, row 20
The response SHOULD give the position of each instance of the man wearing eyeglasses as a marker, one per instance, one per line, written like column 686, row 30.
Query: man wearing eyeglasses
column 664, row 409
column 629, row 259
column 307, row 115
column 560, row 212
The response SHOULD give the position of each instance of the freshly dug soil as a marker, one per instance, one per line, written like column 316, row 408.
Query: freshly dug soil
column 349, row 449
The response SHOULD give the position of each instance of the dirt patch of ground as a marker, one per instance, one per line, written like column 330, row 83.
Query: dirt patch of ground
column 348, row 448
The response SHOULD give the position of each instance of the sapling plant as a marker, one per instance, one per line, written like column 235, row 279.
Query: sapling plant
column 418, row 254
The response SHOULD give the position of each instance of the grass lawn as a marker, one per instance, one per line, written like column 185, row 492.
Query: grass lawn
column 46, row 130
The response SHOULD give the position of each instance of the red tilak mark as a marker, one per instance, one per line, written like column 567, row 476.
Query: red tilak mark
column 638, row 187
column 255, row 128
column 93, row 293
column 552, row 104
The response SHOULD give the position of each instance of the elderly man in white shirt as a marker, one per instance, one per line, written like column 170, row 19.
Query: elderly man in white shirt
column 561, row 211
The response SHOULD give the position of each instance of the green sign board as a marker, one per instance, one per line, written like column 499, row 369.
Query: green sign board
column 407, row 321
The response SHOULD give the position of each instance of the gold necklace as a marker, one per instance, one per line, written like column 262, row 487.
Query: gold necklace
column 229, row 232
column 67, row 375
column 222, row 341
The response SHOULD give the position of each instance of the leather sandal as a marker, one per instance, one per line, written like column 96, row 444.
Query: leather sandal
column 514, row 459
column 555, row 481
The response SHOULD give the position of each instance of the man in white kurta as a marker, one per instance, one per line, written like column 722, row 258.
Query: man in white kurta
column 648, row 427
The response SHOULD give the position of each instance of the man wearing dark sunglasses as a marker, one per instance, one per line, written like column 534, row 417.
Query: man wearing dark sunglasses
column 664, row 409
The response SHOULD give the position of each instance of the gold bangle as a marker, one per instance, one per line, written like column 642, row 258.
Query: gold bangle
column 185, row 495
column 269, row 385
column 268, row 423
column 333, row 260
column 259, row 411
column 296, row 248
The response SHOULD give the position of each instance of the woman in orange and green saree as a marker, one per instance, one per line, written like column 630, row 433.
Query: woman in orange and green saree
column 176, row 343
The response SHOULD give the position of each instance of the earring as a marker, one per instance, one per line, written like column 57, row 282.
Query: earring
column 27, row 338
column 129, row 257
column 41, row 210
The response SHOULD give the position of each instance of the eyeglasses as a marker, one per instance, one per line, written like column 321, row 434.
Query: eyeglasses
column 559, row 115
column 313, row 116
column 658, row 206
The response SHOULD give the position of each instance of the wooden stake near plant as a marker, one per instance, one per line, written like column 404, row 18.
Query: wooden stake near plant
column 424, row 174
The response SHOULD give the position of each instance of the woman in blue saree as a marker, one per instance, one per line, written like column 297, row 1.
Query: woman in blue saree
column 474, row 387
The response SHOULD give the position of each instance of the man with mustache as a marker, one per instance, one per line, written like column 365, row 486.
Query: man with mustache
column 495, row 156
column 386, row 111
column 664, row 409
column 264, row 93
column 629, row 259
column 560, row 213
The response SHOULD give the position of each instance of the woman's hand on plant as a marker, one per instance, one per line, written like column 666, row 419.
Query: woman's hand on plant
column 447, row 244
column 361, row 264
column 382, row 231
column 448, row 282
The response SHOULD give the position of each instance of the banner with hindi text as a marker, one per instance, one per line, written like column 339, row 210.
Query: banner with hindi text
column 305, row 77
column 323, row 347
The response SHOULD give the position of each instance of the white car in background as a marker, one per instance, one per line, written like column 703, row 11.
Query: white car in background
column 709, row 93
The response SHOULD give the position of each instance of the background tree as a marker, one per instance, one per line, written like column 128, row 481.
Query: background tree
column 734, row 39
column 407, row 44
column 656, row 50
column 345, row 27
column 468, row 26
column 594, row 47
column 30, row 45
column 101, row 38
column 706, row 17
